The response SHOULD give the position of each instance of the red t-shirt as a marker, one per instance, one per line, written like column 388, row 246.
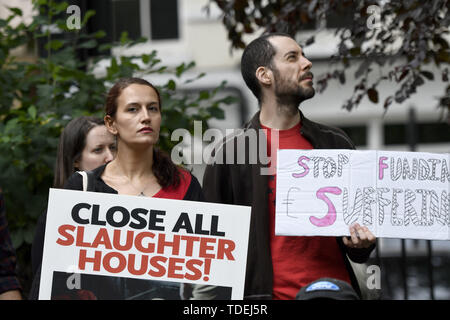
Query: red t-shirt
column 179, row 192
column 298, row 261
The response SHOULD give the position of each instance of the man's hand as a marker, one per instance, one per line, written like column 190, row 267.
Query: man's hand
column 360, row 237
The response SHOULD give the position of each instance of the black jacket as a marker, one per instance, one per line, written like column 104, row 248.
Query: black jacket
column 242, row 184
column 96, row 184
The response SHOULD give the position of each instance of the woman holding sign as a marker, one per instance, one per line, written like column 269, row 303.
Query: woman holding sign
column 133, row 116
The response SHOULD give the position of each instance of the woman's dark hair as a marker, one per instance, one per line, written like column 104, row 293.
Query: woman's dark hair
column 71, row 144
column 258, row 53
column 165, row 171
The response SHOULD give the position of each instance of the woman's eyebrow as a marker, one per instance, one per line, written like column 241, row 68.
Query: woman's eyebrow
column 138, row 104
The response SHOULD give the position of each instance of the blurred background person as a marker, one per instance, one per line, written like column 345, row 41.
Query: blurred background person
column 84, row 145
column 9, row 283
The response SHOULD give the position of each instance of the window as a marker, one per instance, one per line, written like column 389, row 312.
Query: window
column 432, row 132
column 358, row 134
column 115, row 17
column 164, row 19
column 125, row 18
column 339, row 20
column 152, row 19
column 333, row 20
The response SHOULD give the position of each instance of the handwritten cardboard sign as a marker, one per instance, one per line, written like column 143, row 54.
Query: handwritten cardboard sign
column 395, row 194
column 115, row 239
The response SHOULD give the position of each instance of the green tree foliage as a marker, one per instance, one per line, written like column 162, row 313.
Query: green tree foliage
column 408, row 34
column 38, row 98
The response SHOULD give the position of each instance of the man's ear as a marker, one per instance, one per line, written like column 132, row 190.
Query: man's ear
column 110, row 125
column 264, row 75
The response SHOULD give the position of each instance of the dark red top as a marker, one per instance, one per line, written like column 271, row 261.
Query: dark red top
column 179, row 192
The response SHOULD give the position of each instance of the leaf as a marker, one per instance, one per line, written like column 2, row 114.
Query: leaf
column 17, row 238
column 124, row 38
column 356, row 51
column 445, row 75
column 387, row 102
column 171, row 85
column 204, row 95
column 16, row 11
column 216, row 112
column 87, row 16
column 342, row 77
column 114, row 68
column 180, row 69
column 99, row 34
column 146, row 58
column 32, row 112
column 28, row 235
column 418, row 81
column 373, row 95
column 312, row 7
column 229, row 100
column 105, row 47
column 88, row 44
column 310, row 41
column 427, row 74
column 403, row 75
column 11, row 125
column 54, row 45
column 399, row 96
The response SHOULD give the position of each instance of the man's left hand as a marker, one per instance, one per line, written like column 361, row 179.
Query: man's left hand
column 360, row 237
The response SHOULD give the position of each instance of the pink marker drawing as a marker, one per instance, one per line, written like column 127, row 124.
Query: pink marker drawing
column 381, row 167
column 330, row 218
column 303, row 165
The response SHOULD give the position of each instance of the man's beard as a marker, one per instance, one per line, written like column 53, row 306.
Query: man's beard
column 291, row 94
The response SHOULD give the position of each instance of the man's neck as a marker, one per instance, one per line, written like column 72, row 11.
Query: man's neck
column 279, row 117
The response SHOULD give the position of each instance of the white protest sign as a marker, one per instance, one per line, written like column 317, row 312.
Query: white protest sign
column 395, row 194
column 114, row 240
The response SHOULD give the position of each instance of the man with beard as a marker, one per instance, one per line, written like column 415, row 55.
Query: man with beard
column 278, row 73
